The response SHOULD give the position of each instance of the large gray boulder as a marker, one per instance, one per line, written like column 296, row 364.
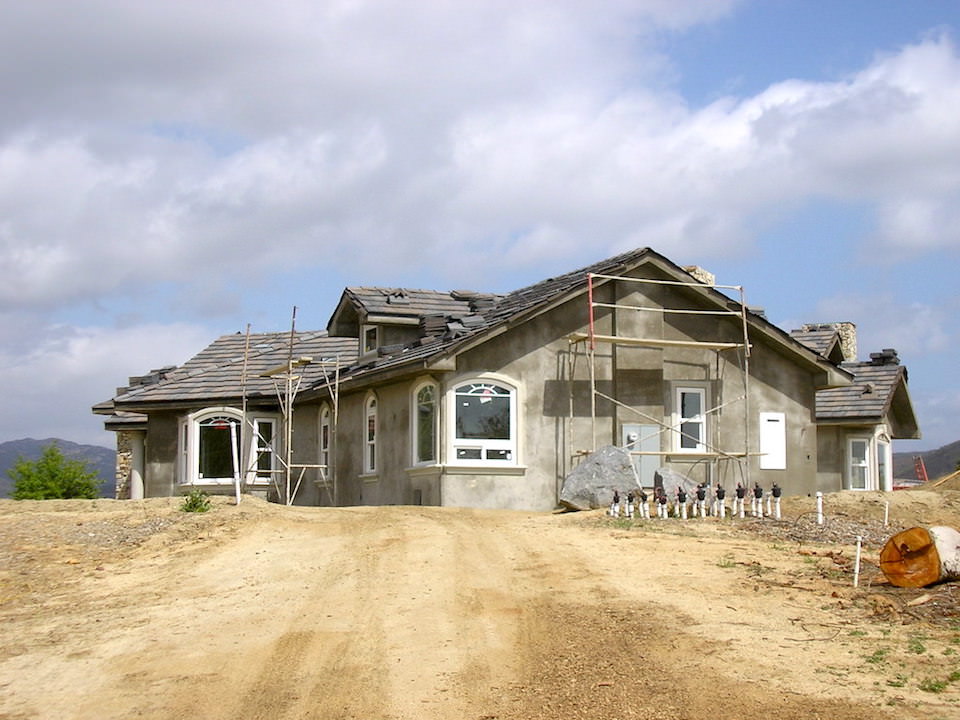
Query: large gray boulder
column 671, row 480
column 590, row 485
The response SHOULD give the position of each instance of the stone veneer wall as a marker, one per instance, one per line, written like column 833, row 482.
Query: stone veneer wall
column 124, row 462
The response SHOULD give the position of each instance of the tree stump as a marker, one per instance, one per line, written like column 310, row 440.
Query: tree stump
column 921, row 556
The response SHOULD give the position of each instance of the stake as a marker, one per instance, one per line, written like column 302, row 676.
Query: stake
column 856, row 565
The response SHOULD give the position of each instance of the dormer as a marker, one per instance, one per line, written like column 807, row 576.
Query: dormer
column 388, row 317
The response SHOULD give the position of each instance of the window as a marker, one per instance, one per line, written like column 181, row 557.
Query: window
column 484, row 423
column 325, row 441
column 218, row 451
column 370, row 436
column 212, row 451
column 690, row 419
column 264, row 463
column 884, row 480
column 425, row 424
column 370, row 338
column 858, row 464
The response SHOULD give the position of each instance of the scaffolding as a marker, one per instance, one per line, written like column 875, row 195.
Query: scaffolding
column 287, row 382
column 585, row 344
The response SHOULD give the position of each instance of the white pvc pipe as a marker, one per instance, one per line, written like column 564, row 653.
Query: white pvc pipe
column 856, row 565
column 819, row 508
column 886, row 513
column 236, row 460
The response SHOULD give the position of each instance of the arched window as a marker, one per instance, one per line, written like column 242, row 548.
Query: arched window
column 370, row 436
column 485, row 423
column 424, row 425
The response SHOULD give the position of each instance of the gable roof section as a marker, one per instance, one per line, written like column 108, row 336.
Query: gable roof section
column 879, row 392
column 217, row 372
column 518, row 306
column 400, row 305
column 821, row 341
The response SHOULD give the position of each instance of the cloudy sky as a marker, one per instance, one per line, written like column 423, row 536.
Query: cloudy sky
column 171, row 171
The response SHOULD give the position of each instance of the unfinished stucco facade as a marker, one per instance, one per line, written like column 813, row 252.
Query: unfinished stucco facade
column 467, row 399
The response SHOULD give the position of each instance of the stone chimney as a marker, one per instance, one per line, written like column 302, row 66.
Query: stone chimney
column 701, row 275
column 848, row 336
column 848, row 340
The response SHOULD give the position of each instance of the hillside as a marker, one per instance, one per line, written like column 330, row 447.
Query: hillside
column 939, row 462
column 99, row 459
column 133, row 609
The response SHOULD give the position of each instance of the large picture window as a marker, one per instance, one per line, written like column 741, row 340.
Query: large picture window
column 484, row 423
column 212, row 448
column 425, row 424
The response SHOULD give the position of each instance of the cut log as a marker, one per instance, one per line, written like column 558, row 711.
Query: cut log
column 921, row 556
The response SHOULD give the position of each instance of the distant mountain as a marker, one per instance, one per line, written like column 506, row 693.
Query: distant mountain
column 102, row 460
column 939, row 462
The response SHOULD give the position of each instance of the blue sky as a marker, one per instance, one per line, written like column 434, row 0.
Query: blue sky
column 170, row 172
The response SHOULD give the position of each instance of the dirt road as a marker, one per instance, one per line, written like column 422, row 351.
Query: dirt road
column 122, row 610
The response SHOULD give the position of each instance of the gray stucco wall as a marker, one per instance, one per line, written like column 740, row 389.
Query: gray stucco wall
column 161, row 455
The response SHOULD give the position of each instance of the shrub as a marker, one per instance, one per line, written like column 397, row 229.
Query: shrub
column 195, row 501
column 52, row 477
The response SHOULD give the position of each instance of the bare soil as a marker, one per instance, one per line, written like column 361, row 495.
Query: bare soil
column 134, row 609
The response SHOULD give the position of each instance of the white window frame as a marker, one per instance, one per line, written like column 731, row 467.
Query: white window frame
column 415, row 408
column 189, row 439
column 323, row 441
column 700, row 419
column 855, row 468
column 366, row 332
column 492, row 452
column 370, row 431
column 884, row 463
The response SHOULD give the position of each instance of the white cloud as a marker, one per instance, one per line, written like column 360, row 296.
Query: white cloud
column 48, row 389
column 202, row 146
column 914, row 329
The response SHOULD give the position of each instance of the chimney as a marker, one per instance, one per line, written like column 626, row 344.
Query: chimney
column 848, row 340
column 701, row 275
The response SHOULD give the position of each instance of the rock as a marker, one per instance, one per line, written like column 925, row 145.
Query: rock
column 590, row 485
column 671, row 480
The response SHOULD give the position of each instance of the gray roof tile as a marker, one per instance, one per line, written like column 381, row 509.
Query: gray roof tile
column 217, row 371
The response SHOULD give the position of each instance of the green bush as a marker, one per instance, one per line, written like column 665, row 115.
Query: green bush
column 195, row 501
column 52, row 477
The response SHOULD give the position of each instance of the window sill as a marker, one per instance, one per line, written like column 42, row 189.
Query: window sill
column 484, row 469
column 370, row 477
column 222, row 482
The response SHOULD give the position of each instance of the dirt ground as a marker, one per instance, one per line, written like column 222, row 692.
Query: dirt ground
column 134, row 609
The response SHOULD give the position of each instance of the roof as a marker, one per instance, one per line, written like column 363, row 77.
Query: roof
column 449, row 322
column 218, row 370
column 482, row 314
column 878, row 393
column 821, row 341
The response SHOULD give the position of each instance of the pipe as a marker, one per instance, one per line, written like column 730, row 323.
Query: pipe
column 856, row 564
column 886, row 513
column 819, row 508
